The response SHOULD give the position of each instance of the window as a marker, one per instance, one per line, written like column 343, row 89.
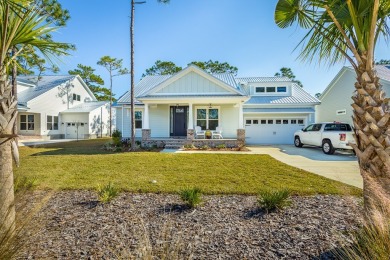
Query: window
column 300, row 122
column 248, row 122
column 278, row 121
column 293, row 121
column 270, row 122
column 260, row 89
column 263, row 121
column 207, row 118
column 281, row 89
column 76, row 97
column 255, row 122
column 52, row 123
column 27, row 122
column 270, row 89
column 313, row 128
column 138, row 119
column 337, row 127
column 285, row 121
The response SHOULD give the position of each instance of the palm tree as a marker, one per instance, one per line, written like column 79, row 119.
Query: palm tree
column 20, row 27
column 340, row 30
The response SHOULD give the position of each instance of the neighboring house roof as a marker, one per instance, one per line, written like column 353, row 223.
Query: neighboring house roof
column 298, row 96
column 86, row 107
column 44, row 84
column 262, row 79
column 382, row 71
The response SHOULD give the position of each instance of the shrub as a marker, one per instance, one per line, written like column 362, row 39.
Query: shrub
column 204, row 147
column 189, row 146
column 117, row 137
column 221, row 146
column 192, row 197
column 107, row 192
column 275, row 199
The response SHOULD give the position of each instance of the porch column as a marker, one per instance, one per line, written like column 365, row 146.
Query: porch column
column 190, row 117
column 240, row 116
column 146, row 117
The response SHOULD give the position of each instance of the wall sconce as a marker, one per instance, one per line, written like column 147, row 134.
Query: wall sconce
column 177, row 105
column 210, row 105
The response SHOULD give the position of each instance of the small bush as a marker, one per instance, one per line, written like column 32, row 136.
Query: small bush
column 192, row 197
column 189, row 146
column 221, row 146
column 117, row 137
column 204, row 147
column 276, row 199
column 107, row 192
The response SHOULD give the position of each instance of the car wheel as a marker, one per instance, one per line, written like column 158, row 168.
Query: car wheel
column 327, row 147
column 297, row 142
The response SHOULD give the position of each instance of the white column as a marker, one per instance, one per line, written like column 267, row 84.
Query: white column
column 146, row 117
column 240, row 117
column 190, row 117
column 123, row 116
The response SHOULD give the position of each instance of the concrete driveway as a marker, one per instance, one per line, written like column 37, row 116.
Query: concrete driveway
column 342, row 166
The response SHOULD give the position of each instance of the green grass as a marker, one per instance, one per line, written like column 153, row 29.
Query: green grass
column 83, row 165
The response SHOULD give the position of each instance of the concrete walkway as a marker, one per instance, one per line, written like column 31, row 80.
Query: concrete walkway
column 32, row 142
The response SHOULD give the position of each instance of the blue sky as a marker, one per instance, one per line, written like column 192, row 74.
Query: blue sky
column 240, row 32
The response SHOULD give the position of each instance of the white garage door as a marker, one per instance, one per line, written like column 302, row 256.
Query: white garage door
column 272, row 130
column 75, row 129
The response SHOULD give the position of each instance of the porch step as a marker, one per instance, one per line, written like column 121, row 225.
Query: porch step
column 175, row 143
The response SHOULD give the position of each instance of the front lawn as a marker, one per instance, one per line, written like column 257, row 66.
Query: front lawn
column 84, row 165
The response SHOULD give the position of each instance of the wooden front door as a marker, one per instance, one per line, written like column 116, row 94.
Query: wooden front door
column 179, row 117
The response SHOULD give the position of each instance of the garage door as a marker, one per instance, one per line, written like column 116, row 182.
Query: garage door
column 75, row 130
column 272, row 130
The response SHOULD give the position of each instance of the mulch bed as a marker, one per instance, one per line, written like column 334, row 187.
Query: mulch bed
column 72, row 225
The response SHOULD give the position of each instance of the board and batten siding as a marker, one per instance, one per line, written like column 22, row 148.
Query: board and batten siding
column 192, row 83
column 159, row 120
column 99, row 118
column 338, row 99
column 127, row 122
column 229, row 121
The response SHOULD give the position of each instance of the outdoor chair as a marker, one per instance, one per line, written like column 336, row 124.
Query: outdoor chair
column 199, row 133
column 217, row 134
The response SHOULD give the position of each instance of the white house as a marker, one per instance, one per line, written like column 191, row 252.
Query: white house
column 336, row 99
column 257, row 110
column 55, row 107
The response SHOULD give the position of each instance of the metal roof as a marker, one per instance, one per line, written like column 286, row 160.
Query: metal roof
column 262, row 79
column 37, row 88
column 86, row 107
column 299, row 96
column 383, row 72
column 279, row 110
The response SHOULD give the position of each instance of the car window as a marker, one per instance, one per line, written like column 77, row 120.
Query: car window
column 337, row 127
column 345, row 127
column 317, row 127
column 309, row 128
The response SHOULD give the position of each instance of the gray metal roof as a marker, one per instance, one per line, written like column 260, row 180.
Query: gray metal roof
column 45, row 84
column 149, row 82
column 279, row 110
column 86, row 107
column 299, row 96
column 262, row 79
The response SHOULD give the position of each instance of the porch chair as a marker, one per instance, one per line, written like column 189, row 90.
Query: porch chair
column 199, row 132
column 217, row 133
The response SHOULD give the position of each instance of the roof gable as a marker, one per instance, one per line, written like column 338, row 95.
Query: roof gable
column 194, row 81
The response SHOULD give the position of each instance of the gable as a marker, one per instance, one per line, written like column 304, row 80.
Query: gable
column 193, row 83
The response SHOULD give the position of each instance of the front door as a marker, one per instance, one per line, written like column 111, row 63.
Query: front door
column 179, row 118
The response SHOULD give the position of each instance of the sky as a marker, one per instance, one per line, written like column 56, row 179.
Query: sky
column 240, row 32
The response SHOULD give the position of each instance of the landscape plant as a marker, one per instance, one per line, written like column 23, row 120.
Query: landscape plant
column 191, row 196
column 274, row 199
column 107, row 193
column 117, row 137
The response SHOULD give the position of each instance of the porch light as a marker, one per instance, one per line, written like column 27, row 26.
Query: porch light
column 210, row 105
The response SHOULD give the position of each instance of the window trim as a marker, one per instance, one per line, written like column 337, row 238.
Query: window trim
column 139, row 120
column 27, row 123
column 52, row 123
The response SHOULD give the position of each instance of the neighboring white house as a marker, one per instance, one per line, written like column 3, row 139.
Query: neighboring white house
column 55, row 107
column 336, row 99
column 267, row 109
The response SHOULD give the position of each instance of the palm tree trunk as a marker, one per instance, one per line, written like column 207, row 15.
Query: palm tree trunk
column 372, row 135
column 7, row 120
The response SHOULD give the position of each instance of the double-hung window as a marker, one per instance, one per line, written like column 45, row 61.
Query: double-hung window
column 52, row 123
column 207, row 118
column 27, row 122
column 138, row 119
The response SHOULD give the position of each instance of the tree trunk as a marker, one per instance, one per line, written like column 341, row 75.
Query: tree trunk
column 8, row 107
column 372, row 135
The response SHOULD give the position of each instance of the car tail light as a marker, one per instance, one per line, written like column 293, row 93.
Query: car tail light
column 343, row 137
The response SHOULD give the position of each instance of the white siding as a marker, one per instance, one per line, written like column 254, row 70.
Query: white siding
column 37, row 124
column 99, row 120
column 159, row 120
column 339, row 98
column 192, row 83
column 73, row 118
column 229, row 120
column 127, row 123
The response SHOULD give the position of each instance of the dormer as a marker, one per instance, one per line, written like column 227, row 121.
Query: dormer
column 270, row 89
